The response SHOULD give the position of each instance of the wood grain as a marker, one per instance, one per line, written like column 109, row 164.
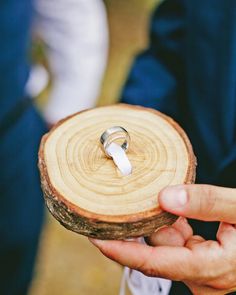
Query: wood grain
column 85, row 191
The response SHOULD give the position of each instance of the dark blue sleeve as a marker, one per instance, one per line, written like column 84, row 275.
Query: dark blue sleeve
column 156, row 78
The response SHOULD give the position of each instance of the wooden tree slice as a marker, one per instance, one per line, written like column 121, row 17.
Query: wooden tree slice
column 85, row 191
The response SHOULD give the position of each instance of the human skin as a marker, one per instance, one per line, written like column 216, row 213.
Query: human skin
column 205, row 266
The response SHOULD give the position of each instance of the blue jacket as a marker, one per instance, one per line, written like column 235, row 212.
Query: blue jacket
column 21, row 210
column 189, row 72
column 15, row 18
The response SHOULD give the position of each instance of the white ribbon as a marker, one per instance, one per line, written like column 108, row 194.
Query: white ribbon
column 139, row 284
column 120, row 158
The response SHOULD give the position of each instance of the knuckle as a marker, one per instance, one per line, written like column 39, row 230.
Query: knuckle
column 149, row 272
column 225, row 276
column 207, row 200
column 225, row 283
column 148, row 266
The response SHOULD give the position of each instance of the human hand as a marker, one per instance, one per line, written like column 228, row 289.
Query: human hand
column 206, row 267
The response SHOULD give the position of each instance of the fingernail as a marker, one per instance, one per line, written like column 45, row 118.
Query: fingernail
column 96, row 242
column 174, row 197
column 183, row 219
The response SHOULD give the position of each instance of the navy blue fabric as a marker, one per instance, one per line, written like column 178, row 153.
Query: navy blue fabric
column 21, row 202
column 15, row 18
column 189, row 73
column 21, row 210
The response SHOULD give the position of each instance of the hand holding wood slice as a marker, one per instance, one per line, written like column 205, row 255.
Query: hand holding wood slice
column 86, row 192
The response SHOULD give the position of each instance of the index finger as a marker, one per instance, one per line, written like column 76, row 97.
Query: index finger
column 174, row 263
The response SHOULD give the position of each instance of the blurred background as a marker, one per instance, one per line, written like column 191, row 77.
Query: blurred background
column 67, row 264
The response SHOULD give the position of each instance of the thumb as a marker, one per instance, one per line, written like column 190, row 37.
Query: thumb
column 203, row 202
